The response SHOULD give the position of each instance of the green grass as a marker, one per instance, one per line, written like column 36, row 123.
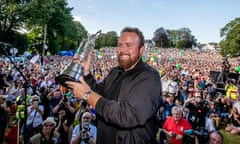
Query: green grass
column 230, row 138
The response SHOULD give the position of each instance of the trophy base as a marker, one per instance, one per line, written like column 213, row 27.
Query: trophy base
column 61, row 79
column 71, row 73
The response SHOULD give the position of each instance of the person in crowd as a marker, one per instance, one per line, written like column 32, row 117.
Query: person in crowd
column 129, row 97
column 12, row 90
column 54, row 96
column 196, row 115
column 43, row 92
column 214, row 114
column 84, row 107
column 233, row 127
column 166, row 107
column 3, row 81
column 202, row 84
column 35, row 113
column 224, row 106
column 4, row 110
column 66, row 104
column 211, row 87
column 199, row 109
column 48, row 135
column 166, row 111
column 183, row 89
column 215, row 137
column 23, row 101
column 85, row 132
column 173, row 88
column 236, row 103
column 165, row 82
column 231, row 89
column 175, row 126
column 64, row 127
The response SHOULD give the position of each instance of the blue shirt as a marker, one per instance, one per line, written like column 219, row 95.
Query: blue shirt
column 76, row 131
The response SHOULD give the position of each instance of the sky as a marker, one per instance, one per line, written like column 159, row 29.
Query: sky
column 204, row 18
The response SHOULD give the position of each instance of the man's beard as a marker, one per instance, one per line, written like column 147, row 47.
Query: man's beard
column 127, row 63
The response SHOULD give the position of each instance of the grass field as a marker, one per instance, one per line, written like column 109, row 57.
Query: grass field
column 229, row 138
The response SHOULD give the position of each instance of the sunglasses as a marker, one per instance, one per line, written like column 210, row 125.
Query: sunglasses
column 86, row 117
column 35, row 100
column 48, row 125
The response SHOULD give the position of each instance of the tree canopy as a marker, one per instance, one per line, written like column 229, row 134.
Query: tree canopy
column 33, row 17
column 181, row 38
column 230, row 45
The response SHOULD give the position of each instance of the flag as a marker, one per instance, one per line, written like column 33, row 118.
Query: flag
column 34, row 59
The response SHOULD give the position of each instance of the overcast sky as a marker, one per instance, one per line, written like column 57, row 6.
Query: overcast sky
column 204, row 18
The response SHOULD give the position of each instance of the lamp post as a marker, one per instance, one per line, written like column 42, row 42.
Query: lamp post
column 44, row 39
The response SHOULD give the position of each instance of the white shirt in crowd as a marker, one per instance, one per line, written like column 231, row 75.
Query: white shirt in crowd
column 37, row 119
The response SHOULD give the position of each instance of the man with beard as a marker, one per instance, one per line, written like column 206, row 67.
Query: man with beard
column 127, row 100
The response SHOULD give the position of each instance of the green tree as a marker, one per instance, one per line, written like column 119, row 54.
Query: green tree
column 62, row 32
column 22, row 23
column 11, row 22
column 174, row 36
column 112, row 38
column 170, row 38
column 180, row 44
column 109, row 39
column 231, row 38
column 187, row 37
column 161, row 38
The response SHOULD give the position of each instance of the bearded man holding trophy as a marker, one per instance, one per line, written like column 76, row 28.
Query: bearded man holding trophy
column 127, row 100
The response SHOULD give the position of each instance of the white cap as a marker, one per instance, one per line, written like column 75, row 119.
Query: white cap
column 49, row 120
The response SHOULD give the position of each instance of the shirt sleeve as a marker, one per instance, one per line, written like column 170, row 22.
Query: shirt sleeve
column 75, row 133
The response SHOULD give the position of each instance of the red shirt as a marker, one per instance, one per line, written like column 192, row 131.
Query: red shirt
column 178, row 128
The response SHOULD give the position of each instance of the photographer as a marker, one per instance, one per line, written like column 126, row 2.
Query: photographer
column 66, row 104
column 64, row 128
column 199, row 109
column 35, row 113
column 226, row 66
column 202, row 125
column 85, row 132
column 54, row 97
column 214, row 137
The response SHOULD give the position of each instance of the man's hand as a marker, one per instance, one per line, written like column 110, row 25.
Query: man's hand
column 78, row 88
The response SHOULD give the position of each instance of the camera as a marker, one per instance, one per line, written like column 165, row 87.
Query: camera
column 203, row 104
column 63, row 118
column 85, row 134
column 65, row 98
column 201, row 133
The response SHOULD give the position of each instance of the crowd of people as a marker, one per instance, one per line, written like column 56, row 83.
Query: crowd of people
column 190, row 104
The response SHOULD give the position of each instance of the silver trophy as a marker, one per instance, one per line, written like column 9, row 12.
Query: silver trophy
column 74, row 70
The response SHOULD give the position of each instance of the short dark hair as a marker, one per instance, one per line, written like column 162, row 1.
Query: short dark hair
column 137, row 31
